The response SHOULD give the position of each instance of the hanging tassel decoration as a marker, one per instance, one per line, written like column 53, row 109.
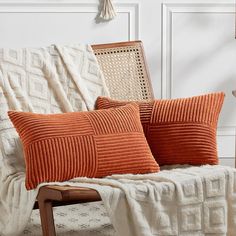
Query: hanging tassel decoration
column 107, row 10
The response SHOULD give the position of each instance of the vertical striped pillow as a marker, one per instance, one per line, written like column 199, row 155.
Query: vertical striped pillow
column 179, row 131
column 59, row 147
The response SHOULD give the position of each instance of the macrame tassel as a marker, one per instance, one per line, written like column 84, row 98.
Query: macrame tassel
column 107, row 11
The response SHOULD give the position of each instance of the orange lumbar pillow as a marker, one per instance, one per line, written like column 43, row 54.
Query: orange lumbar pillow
column 179, row 131
column 59, row 147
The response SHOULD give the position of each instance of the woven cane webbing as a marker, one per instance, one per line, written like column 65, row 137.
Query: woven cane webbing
column 125, row 70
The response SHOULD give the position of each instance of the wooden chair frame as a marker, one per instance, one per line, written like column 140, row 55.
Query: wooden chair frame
column 50, row 196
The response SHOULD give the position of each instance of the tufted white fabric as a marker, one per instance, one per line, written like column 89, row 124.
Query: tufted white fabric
column 43, row 80
column 182, row 201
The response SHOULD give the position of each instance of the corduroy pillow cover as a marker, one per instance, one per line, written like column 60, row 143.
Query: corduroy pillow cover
column 59, row 147
column 179, row 131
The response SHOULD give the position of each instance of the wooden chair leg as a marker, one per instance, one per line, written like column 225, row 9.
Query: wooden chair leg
column 46, row 215
column 50, row 196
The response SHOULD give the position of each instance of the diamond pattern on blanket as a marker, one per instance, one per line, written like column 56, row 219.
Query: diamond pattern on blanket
column 16, row 75
column 38, row 87
column 37, row 80
column 35, row 61
column 9, row 142
column 27, row 84
column 17, row 78
column 75, row 100
column 13, row 56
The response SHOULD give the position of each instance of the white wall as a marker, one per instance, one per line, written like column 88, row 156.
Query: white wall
column 189, row 44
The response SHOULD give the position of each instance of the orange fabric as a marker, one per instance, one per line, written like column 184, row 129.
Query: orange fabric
column 179, row 131
column 59, row 147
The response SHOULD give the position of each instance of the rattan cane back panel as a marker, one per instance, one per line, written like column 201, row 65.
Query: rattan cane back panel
column 125, row 70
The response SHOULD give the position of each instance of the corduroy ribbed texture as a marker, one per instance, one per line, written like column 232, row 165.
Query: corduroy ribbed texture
column 59, row 147
column 179, row 131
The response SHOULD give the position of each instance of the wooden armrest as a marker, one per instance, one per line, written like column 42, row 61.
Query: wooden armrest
column 54, row 195
column 63, row 195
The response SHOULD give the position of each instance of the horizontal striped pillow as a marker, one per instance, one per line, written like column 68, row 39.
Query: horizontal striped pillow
column 179, row 131
column 59, row 147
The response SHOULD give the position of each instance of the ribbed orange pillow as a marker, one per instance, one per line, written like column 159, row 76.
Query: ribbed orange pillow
column 179, row 131
column 59, row 147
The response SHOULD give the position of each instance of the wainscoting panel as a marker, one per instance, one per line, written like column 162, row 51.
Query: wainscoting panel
column 40, row 23
column 199, row 55
column 226, row 145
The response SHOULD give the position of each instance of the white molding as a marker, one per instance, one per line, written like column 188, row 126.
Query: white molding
column 75, row 6
column 226, row 131
column 133, row 9
column 168, row 10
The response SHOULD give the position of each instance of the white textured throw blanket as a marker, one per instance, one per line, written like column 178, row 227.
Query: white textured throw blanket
column 187, row 201
column 191, row 201
column 43, row 80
